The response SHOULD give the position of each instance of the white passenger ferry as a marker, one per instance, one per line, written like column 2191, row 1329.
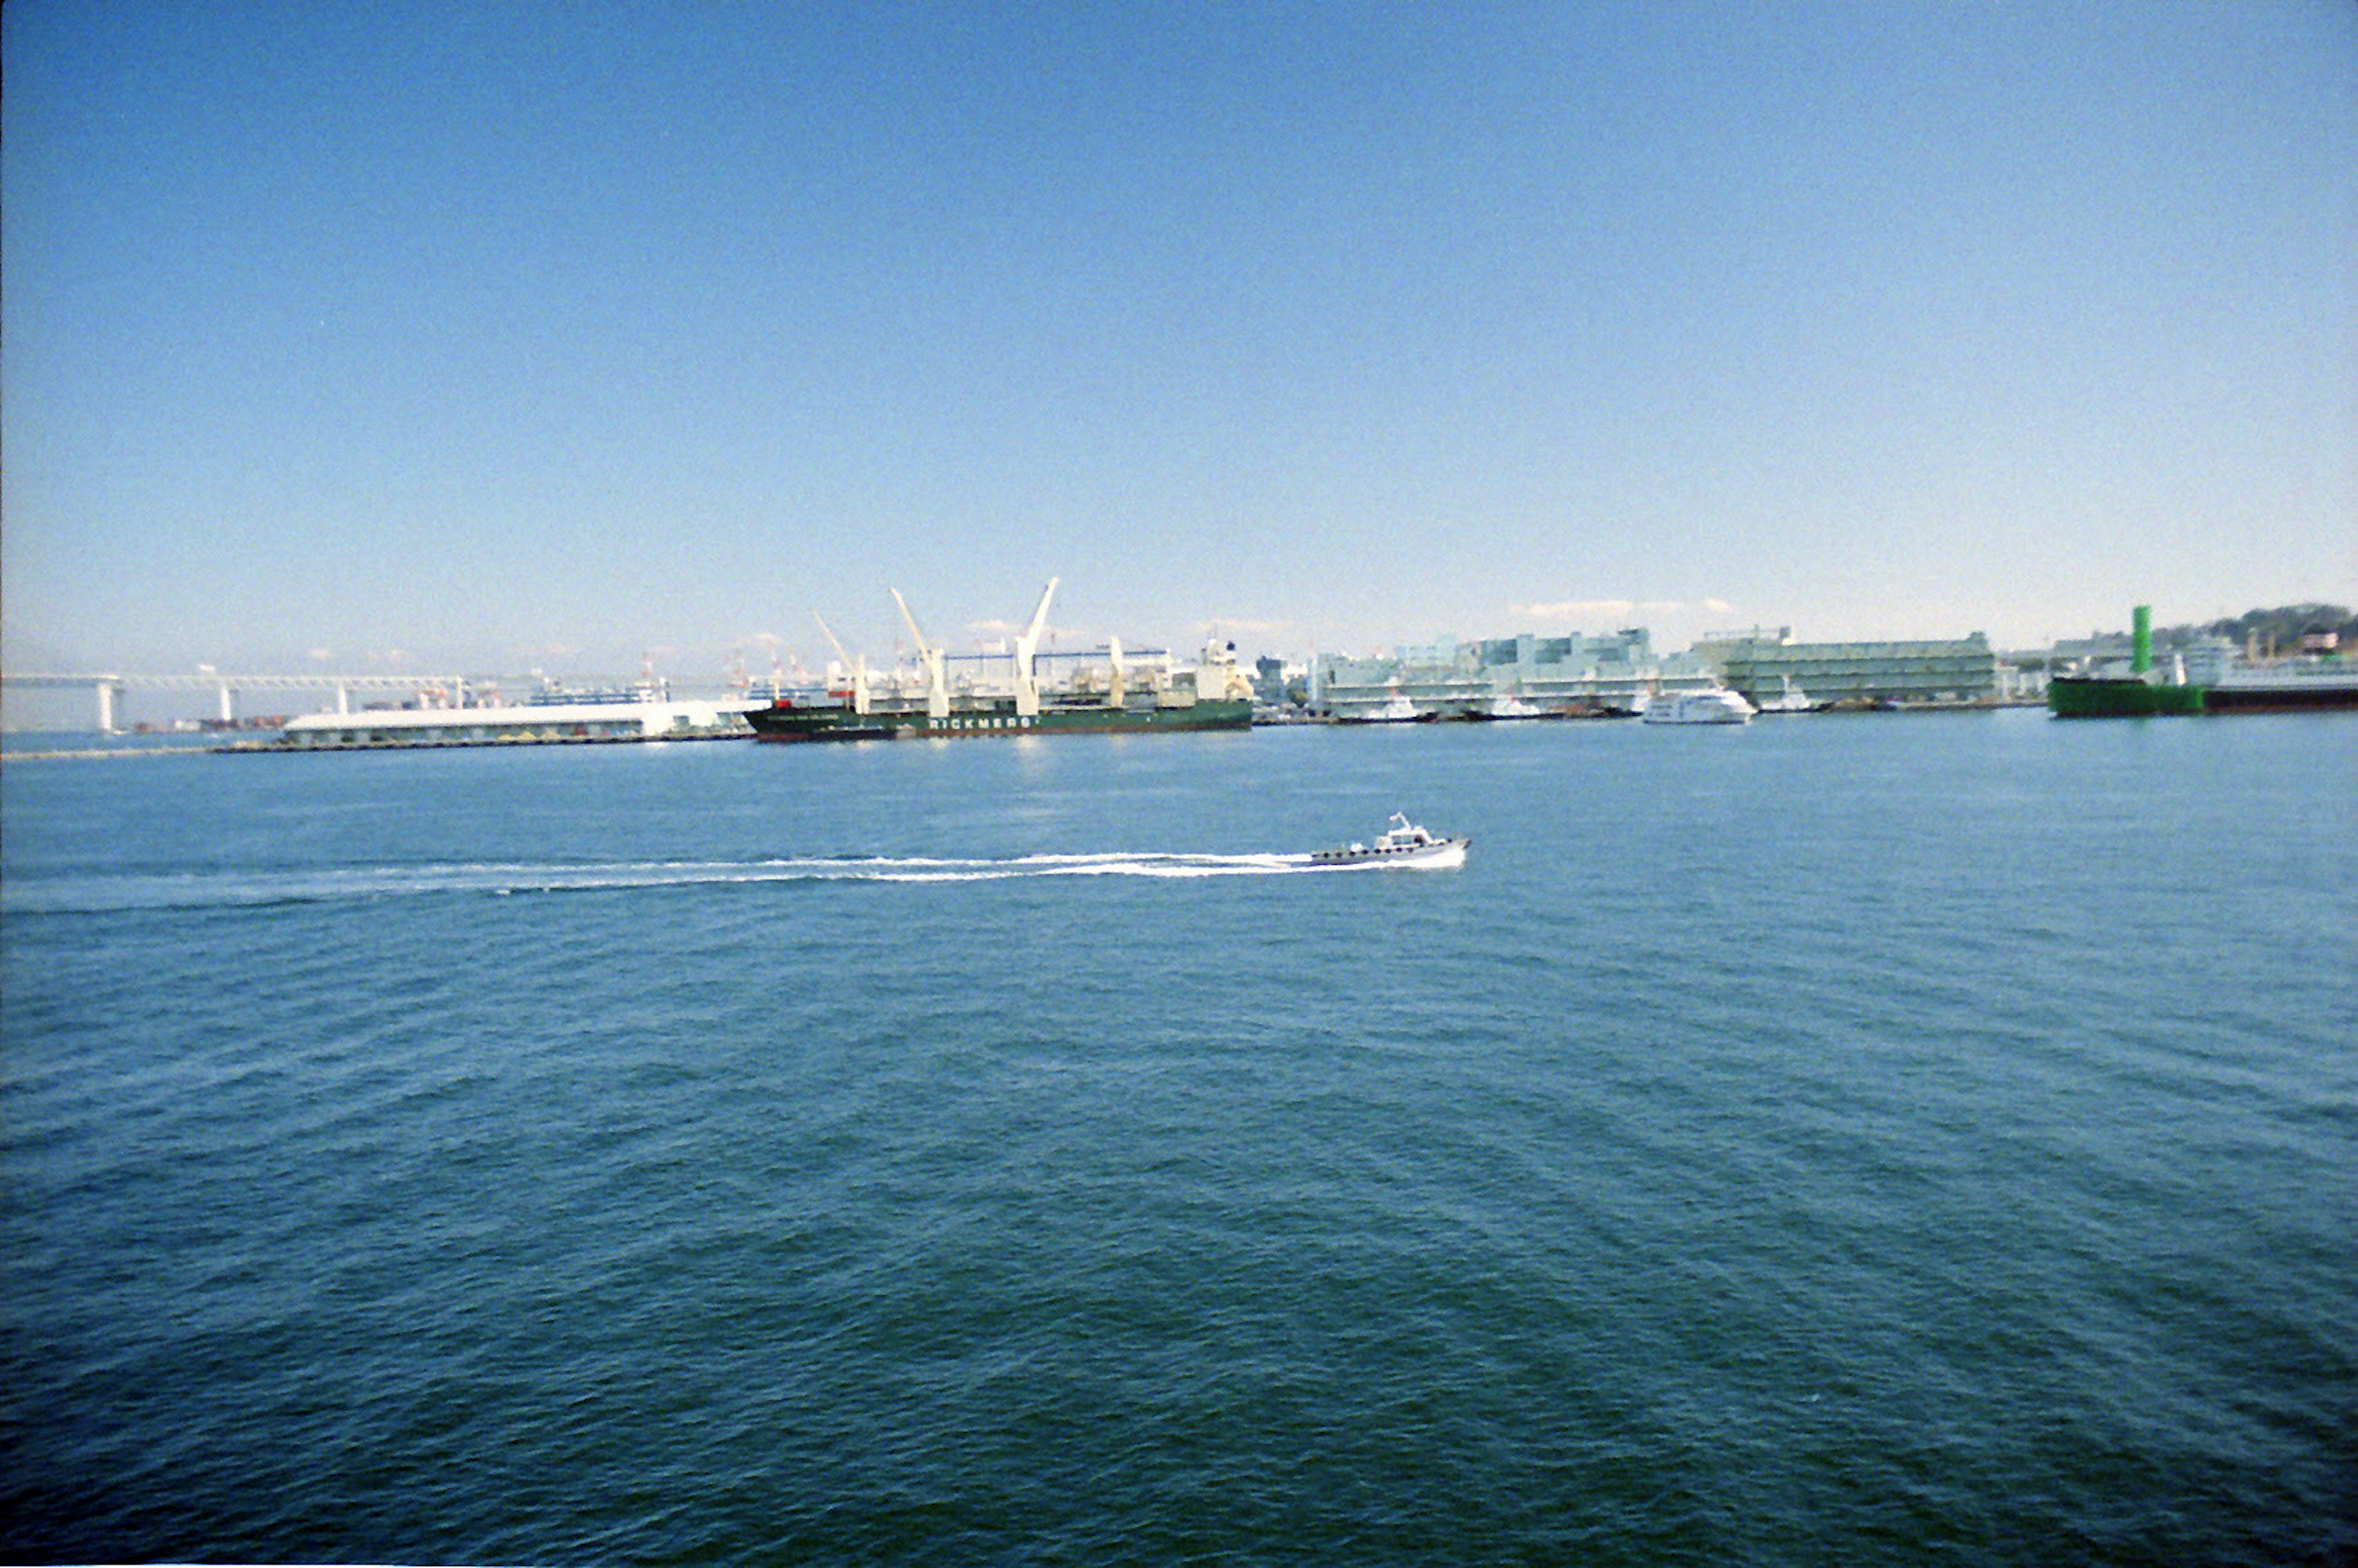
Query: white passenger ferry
column 1717, row 705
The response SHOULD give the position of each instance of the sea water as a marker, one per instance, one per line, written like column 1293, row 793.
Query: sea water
column 1844, row 1140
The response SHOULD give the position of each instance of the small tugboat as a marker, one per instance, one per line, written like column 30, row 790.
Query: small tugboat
column 1402, row 844
column 1396, row 709
column 1793, row 700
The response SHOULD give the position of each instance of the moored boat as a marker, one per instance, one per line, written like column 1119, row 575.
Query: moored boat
column 1396, row 709
column 1714, row 705
column 1791, row 699
column 2295, row 686
column 1511, row 707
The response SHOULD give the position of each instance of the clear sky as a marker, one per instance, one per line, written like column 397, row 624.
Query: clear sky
column 497, row 335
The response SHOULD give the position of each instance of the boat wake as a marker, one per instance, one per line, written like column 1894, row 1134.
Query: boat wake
column 250, row 888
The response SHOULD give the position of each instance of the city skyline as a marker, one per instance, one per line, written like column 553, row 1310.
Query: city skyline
column 493, row 338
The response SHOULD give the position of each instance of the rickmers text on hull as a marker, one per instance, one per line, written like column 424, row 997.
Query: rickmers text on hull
column 968, row 719
column 1110, row 694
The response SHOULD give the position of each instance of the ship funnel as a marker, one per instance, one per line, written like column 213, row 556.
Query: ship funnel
column 2141, row 639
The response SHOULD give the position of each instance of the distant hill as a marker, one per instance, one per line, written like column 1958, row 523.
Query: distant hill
column 2280, row 628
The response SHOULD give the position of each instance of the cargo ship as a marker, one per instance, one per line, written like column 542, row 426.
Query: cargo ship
column 2211, row 680
column 1111, row 694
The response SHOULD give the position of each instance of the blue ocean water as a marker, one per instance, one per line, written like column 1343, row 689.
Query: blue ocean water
column 1845, row 1139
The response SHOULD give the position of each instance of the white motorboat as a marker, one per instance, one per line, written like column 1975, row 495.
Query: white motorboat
column 1396, row 709
column 1793, row 700
column 1714, row 705
column 1403, row 843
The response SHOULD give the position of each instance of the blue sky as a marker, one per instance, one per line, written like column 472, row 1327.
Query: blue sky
column 494, row 336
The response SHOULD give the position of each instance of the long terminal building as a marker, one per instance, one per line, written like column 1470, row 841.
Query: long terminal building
column 1616, row 672
column 1764, row 663
column 1607, row 673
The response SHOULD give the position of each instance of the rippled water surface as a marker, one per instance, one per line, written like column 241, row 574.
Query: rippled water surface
column 1867, row 1139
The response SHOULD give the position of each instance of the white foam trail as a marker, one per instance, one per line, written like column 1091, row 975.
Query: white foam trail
column 236, row 889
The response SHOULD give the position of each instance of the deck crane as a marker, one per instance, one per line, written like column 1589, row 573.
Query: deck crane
column 937, row 686
column 859, row 668
column 1027, row 649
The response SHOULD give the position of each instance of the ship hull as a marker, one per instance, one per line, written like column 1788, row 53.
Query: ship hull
column 790, row 723
column 1438, row 855
column 2292, row 696
column 2082, row 697
column 2071, row 696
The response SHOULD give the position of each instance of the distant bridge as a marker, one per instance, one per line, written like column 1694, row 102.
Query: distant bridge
column 108, row 686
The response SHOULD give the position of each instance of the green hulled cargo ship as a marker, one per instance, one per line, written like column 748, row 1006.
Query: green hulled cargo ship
column 2218, row 683
column 2136, row 692
column 2119, row 697
column 1112, row 694
column 983, row 718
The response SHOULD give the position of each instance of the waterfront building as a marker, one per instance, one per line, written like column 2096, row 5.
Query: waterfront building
column 1761, row 663
column 1447, row 678
column 540, row 722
